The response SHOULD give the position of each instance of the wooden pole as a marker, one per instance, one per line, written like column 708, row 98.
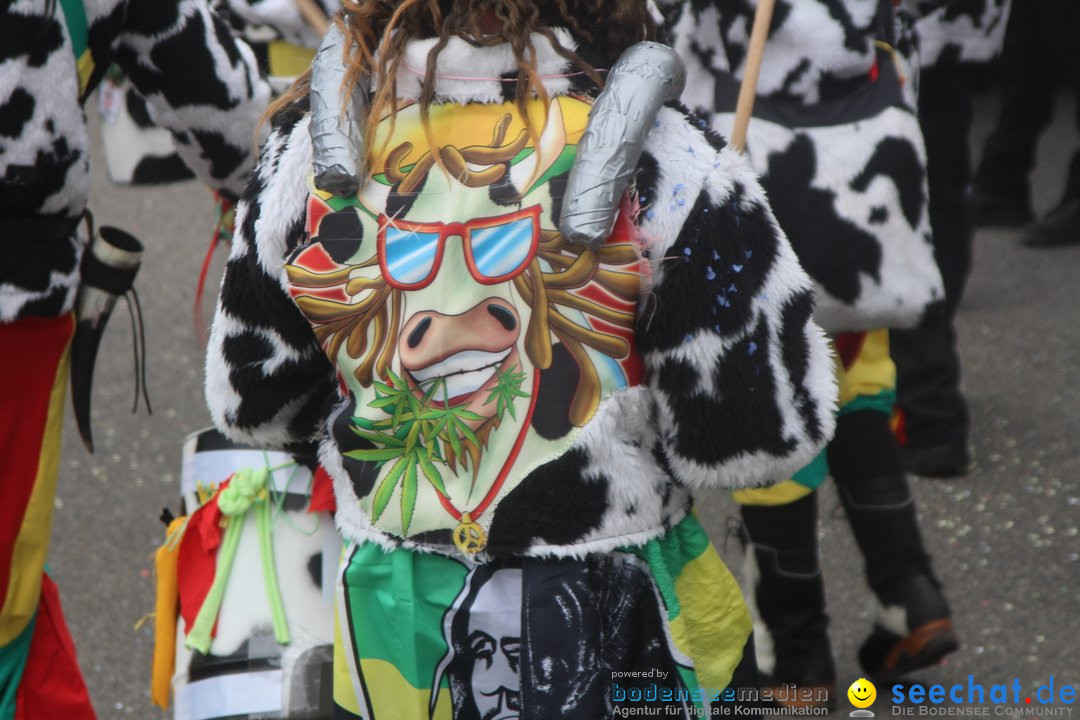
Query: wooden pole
column 748, row 89
column 313, row 15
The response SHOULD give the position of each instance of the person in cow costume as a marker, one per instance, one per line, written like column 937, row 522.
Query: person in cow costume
column 837, row 142
column 514, row 421
column 955, row 42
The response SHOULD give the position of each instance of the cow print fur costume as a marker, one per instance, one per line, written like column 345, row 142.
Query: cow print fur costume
column 867, row 197
column 738, row 393
column 201, row 84
column 964, row 31
column 138, row 152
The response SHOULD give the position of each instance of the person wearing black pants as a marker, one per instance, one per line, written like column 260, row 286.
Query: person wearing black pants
column 955, row 41
column 913, row 627
column 1040, row 53
column 935, row 414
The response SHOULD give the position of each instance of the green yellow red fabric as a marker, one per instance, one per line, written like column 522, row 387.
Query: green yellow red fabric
column 394, row 623
column 39, row 677
column 52, row 685
column 33, row 368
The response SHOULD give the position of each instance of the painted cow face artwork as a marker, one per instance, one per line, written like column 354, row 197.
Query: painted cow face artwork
column 472, row 340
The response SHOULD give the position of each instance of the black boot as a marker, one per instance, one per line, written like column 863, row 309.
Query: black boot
column 788, row 602
column 1061, row 226
column 913, row 628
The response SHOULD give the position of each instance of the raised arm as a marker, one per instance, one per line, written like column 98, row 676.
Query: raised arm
column 742, row 376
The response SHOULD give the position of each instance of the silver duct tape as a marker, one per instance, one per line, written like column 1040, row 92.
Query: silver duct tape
column 337, row 133
column 645, row 77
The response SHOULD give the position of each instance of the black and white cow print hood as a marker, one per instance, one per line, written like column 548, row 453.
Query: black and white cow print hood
column 739, row 387
column 263, row 20
column 816, row 50
column 200, row 82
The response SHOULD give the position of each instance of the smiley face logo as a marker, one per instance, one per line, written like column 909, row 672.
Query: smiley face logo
column 862, row 693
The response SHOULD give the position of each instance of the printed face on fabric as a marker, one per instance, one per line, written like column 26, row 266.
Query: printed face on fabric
column 485, row 642
column 580, row 621
column 474, row 341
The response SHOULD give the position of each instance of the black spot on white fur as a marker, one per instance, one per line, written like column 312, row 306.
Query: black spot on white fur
column 817, row 232
column 16, row 112
column 554, row 505
column 720, row 258
column 896, row 159
column 739, row 415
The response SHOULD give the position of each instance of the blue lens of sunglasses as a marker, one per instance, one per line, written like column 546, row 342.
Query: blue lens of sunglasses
column 410, row 255
column 502, row 249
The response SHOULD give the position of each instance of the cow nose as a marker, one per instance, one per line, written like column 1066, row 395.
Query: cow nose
column 417, row 335
column 491, row 325
column 500, row 313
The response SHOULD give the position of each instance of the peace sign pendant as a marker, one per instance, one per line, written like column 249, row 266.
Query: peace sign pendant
column 469, row 537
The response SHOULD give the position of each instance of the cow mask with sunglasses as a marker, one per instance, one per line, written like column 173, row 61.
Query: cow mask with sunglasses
column 471, row 340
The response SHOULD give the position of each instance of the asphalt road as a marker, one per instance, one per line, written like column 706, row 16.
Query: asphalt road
column 1005, row 539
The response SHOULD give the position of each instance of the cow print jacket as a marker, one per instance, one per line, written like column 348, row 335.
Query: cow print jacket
column 201, row 83
column 738, row 387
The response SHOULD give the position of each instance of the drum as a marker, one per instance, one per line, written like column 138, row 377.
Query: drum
column 246, row 673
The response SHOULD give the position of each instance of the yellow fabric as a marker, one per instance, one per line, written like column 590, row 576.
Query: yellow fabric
column 166, row 610
column 714, row 623
column 780, row 494
column 32, row 544
column 85, row 67
column 872, row 372
column 397, row 698
column 344, row 692
column 287, row 60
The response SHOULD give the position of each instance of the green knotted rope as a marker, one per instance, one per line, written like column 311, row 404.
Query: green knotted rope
column 247, row 487
column 273, row 592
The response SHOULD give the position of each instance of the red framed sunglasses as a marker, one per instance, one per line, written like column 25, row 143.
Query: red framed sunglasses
column 496, row 248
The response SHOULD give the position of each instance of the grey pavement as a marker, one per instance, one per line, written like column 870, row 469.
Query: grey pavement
column 1005, row 540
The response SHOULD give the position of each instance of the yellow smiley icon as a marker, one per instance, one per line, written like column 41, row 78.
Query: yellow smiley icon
column 862, row 693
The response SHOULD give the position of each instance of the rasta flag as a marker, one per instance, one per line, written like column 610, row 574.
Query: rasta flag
column 421, row 636
column 39, row 673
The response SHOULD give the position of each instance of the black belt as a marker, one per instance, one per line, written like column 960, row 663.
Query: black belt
column 38, row 229
column 868, row 100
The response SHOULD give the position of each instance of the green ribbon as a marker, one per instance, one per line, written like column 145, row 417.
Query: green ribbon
column 247, row 487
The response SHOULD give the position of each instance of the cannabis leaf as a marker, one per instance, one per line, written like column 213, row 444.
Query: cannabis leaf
column 415, row 435
column 507, row 387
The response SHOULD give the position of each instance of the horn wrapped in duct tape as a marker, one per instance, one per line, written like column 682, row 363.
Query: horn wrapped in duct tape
column 337, row 133
column 646, row 76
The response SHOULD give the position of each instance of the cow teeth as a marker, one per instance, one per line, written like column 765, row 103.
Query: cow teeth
column 462, row 384
column 464, row 363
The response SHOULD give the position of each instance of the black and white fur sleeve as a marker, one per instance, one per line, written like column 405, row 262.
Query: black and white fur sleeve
column 742, row 377
column 268, row 381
